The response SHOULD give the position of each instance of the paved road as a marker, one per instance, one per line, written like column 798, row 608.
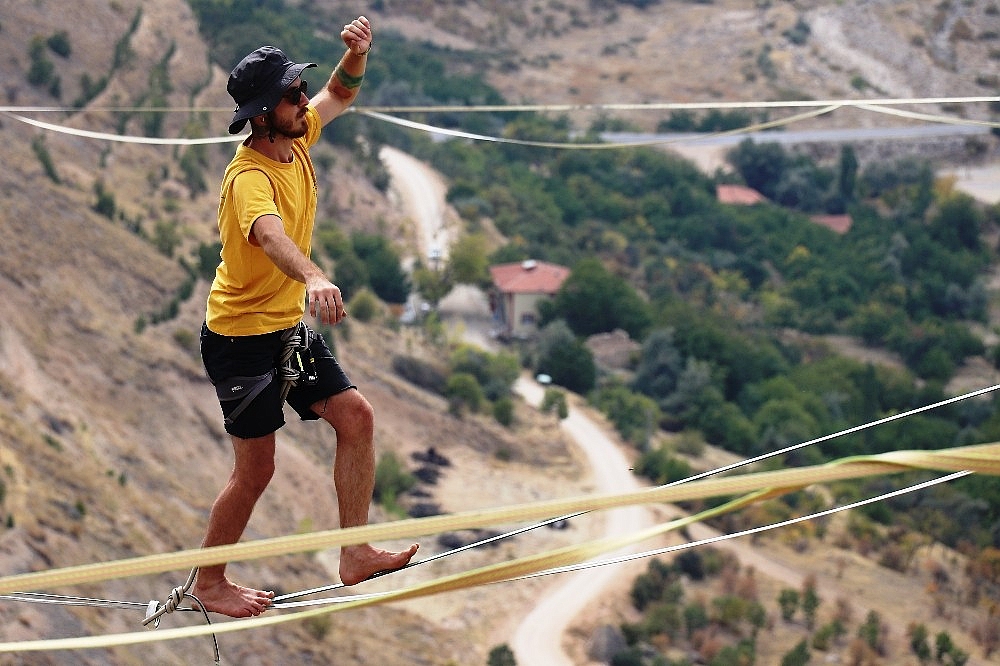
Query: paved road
column 421, row 191
column 538, row 639
column 842, row 135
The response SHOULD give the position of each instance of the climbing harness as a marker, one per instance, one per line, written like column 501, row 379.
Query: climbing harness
column 296, row 365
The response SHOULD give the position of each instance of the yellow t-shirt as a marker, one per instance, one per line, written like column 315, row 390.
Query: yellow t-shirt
column 250, row 295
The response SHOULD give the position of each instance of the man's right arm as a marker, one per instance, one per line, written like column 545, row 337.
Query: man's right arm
column 325, row 299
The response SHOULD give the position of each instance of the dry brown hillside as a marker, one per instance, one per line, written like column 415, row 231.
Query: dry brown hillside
column 111, row 444
column 583, row 52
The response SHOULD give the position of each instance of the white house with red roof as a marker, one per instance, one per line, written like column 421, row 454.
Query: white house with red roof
column 517, row 290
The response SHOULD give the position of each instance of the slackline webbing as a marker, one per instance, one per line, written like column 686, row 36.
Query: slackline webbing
column 984, row 459
column 512, row 570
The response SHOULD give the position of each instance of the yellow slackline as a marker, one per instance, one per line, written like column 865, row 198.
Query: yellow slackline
column 984, row 459
column 494, row 573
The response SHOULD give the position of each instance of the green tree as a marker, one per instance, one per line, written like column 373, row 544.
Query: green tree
column 350, row 274
column 42, row 70
column 810, row 601
column 788, row 601
column 364, row 306
column 592, row 300
column 432, row 285
column 635, row 415
column 391, row 481
column 872, row 632
column 564, row 358
column 942, row 645
column 798, row 656
column 661, row 466
column 468, row 260
column 762, row 166
column 847, row 179
column 496, row 373
column 166, row 238
column 503, row 411
column 385, row 272
column 555, row 400
column 660, row 365
column 105, row 204
column 59, row 43
column 695, row 617
column 463, row 390
column 42, row 152
column 919, row 644
column 501, row 655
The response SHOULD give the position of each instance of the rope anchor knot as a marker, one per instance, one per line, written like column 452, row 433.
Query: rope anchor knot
column 154, row 611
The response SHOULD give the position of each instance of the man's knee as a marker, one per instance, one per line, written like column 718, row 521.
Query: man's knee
column 254, row 480
column 350, row 413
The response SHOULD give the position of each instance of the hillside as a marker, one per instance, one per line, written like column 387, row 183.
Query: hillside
column 111, row 442
column 580, row 52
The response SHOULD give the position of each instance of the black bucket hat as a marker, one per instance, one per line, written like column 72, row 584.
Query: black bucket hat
column 257, row 83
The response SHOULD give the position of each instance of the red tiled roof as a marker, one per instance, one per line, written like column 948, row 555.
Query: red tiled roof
column 529, row 277
column 838, row 223
column 738, row 195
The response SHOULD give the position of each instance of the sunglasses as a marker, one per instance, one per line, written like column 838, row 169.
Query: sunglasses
column 293, row 95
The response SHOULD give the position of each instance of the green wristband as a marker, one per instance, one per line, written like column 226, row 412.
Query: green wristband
column 348, row 80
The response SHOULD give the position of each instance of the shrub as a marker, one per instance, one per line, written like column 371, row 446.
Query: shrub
column 501, row 655
column 42, row 152
column 421, row 373
column 556, row 400
column 364, row 306
column 503, row 411
column 42, row 70
column 391, row 481
column 463, row 389
column 59, row 44
column 661, row 467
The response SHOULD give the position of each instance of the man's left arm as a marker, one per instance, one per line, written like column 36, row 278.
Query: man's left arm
column 345, row 81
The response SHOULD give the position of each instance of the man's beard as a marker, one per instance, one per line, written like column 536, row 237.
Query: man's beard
column 294, row 128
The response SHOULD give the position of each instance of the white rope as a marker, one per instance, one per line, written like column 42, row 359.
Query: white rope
column 753, row 530
column 121, row 138
column 659, row 551
column 660, row 140
column 503, row 108
column 381, row 113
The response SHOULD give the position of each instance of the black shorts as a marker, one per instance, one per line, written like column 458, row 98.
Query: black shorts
column 226, row 357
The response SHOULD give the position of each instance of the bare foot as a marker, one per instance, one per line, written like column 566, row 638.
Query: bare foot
column 230, row 599
column 358, row 563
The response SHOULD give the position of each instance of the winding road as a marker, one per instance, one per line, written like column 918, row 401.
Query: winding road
column 538, row 638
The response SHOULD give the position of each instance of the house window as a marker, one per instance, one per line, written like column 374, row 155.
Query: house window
column 528, row 318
